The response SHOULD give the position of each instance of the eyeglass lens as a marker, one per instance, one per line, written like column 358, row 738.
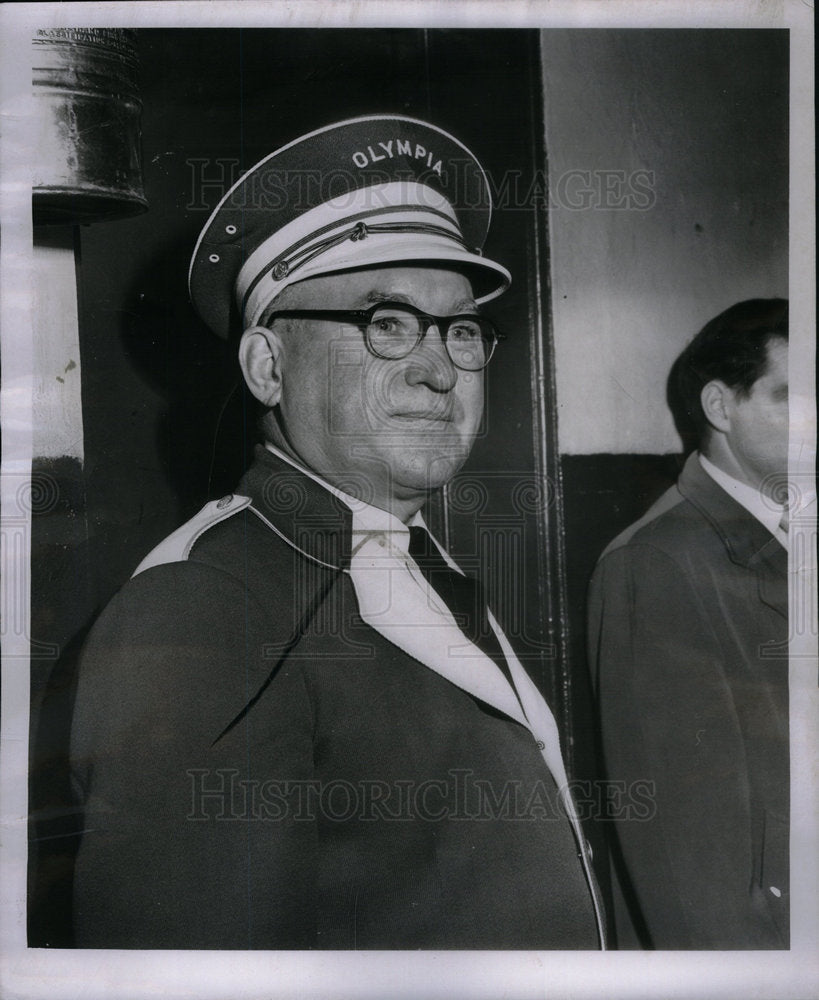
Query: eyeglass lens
column 393, row 333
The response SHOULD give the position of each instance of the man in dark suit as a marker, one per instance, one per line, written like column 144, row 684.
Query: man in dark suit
column 688, row 626
column 297, row 725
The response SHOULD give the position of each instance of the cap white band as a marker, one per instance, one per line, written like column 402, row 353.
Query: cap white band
column 324, row 240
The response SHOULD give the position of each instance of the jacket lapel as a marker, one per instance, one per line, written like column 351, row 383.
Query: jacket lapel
column 440, row 644
column 320, row 526
column 747, row 541
column 459, row 661
column 771, row 566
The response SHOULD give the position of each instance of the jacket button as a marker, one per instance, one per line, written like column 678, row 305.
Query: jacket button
column 540, row 745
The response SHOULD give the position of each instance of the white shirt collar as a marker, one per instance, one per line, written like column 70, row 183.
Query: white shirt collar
column 763, row 508
column 366, row 518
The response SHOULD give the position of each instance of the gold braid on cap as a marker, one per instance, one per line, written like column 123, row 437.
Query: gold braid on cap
column 305, row 250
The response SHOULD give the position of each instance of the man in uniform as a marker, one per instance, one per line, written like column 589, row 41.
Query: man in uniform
column 297, row 725
column 688, row 638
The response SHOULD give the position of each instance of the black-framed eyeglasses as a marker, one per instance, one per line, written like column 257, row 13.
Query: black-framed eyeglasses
column 392, row 330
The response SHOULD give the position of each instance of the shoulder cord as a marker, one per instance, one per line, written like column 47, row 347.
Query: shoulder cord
column 291, row 543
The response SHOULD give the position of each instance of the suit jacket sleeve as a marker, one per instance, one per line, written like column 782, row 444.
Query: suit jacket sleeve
column 187, row 845
column 668, row 719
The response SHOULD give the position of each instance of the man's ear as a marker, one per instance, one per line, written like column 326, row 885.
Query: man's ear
column 717, row 399
column 260, row 355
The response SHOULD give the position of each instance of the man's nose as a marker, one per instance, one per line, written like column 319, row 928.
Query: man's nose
column 430, row 364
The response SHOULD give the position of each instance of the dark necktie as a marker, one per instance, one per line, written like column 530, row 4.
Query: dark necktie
column 463, row 595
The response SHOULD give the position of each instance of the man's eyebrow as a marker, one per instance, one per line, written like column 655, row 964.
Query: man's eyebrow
column 466, row 305
column 376, row 296
column 462, row 305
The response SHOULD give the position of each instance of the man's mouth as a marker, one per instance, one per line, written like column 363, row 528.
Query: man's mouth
column 436, row 416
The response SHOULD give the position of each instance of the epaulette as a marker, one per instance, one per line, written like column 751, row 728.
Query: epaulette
column 177, row 546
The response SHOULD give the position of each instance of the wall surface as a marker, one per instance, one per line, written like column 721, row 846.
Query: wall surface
column 668, row 202
column 668, row 194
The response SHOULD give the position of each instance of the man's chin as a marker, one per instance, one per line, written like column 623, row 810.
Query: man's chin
column 422, row 473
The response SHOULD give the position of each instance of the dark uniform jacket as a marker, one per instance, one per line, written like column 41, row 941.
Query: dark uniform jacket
column 688, row 638
column 259, row 768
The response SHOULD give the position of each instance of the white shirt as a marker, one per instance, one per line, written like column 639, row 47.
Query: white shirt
column 767, row 511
